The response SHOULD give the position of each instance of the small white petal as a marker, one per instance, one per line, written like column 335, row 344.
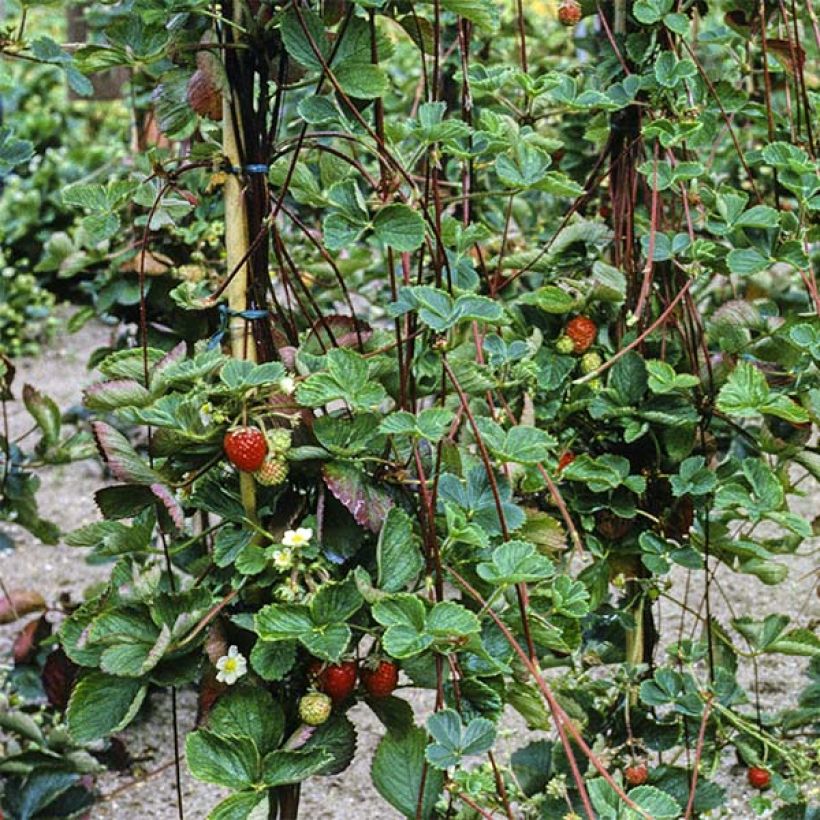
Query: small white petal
column 231, row 666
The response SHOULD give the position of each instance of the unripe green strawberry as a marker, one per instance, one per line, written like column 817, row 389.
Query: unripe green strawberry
column 279, row 441
column 272, row 472
column 314, row 708
column 595, row 384
column 590, row 362
column 565, row 345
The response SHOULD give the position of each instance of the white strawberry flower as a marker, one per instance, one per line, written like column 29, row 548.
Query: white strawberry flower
column 287, row 384
column 297, row 538
column 231, row 666
column 283, row 559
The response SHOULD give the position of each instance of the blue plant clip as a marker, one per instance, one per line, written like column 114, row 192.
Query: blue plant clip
column 252, row 168
column 224, row 314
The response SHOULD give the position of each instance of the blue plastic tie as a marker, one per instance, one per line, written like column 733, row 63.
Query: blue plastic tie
column 253, row 168
column 224, row 313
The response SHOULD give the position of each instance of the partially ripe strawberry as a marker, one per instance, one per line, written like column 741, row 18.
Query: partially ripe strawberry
column 336, row 679
column 569, row 12
column 759, row 778
column 582, row 330
column 567, row 457
column 381, row 680
column 272, row 472
column 245, row 448
column 315, row 708
column 636, row 775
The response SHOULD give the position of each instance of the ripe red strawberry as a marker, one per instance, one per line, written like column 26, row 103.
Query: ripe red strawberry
column 582, row 330
column 314, row 708
column 245, row 448
column 336, row 679
column 569, row 12
column 636, row 775
column 759, row 778
column 567, row 457
column 381, row 680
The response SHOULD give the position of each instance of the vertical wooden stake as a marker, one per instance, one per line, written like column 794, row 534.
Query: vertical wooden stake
column 236, row 237
column 236, row 248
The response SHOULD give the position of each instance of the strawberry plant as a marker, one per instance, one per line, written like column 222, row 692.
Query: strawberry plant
column 45, row 772
column 517, row 331
column 19, row 481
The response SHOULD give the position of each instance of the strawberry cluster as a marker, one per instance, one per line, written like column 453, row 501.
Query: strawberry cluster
column 337, row 681
column 252, row 451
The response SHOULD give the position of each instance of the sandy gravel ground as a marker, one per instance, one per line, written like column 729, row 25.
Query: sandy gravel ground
column 149, row 791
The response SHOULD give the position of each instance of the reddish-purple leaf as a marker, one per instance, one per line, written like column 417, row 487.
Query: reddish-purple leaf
column 174, row 355
column 367, row 503
column 209, row 691
column 288, row 356
column 116, row 756
column 120, row 456
column 58, row 678
column 116, row 393
column 20, row 602
column 28, row 640
column 169, row 504
column 216, row 642
column 788, row 53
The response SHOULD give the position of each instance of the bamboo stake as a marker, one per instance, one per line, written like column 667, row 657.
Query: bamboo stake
column 236, row 249
column 236, row 236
